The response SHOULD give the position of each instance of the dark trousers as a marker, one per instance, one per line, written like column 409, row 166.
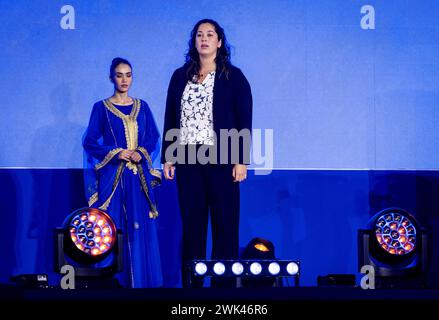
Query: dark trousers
column 203, row 189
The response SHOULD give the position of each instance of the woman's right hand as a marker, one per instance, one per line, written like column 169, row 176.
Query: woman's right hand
column 125, row 155
column 168, row 170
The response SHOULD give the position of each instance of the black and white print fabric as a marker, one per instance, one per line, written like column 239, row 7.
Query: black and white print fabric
column 196, row 122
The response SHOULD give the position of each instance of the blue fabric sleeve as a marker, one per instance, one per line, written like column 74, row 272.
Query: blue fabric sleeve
column 93, row 137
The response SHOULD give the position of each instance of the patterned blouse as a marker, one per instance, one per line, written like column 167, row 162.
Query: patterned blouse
column 196, row 124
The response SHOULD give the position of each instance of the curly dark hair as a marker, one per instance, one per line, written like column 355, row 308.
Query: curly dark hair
column 222, row 59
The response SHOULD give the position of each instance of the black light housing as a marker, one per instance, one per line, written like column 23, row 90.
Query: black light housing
column 395, row 244
column 31, row 281
column 259, row 248
column 89, row 236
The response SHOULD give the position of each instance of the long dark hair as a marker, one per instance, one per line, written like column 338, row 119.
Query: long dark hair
column 222, row 59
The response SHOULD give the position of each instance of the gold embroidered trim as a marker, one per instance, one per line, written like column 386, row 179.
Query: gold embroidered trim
column 153, row 213
column 152, row 171
column 146, row 155
column 107, row 158
column 129, row 122
column 111, row 127
column 131, row 166
column 131, row 135
column 130, row 125
column 156, row 173
column 134, row 112
column 154, row 183
column 93, row 199
column 120, row 169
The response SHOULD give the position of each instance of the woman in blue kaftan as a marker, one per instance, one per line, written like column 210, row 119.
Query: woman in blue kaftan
column 119, row 142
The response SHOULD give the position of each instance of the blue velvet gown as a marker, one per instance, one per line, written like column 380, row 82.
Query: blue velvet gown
column 124, row 189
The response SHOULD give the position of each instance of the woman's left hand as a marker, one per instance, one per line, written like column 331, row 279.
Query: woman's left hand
column 136, row 157
column 239, row 172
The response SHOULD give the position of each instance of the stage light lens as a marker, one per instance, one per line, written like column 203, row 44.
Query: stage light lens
column 219, row 268
column 393, row 231
column 403, row 239
column 200, row 268
column 237, row 268
column 261, row 247
column 292, row 268
column 85, row 229
column 255, row 268
column 381, row 223
column 274, row 268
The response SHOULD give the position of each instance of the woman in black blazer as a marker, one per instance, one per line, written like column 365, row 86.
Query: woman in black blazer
column 209, row 105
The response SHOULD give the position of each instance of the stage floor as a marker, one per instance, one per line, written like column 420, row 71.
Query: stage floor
column 291, row 294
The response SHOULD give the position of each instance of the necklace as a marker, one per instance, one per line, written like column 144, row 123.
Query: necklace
column 202, row 76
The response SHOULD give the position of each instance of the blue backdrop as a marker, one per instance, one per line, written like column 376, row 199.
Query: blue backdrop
column 350, row 89
column 336, row 95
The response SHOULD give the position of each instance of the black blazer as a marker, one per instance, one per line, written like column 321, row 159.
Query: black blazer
column 232, row 107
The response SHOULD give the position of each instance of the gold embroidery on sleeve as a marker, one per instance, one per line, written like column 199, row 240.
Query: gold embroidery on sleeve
column 108, row 158
column 152, row 171
column 93, row 199
column 145, row 154
column 153, row 213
